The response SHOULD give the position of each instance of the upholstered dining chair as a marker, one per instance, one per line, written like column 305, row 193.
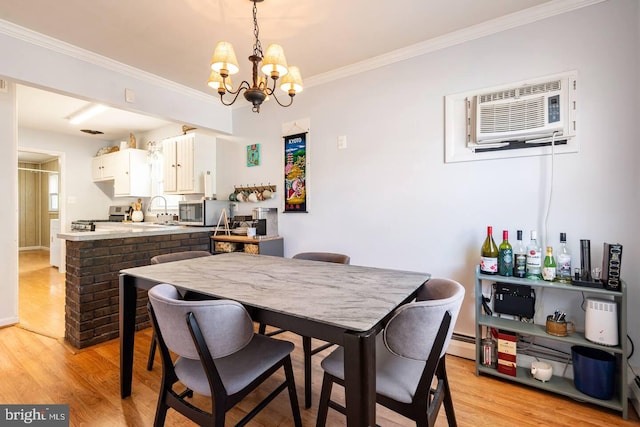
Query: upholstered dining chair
column 410, row 354
column 306, row 341
column 159, row 259
column 219, row 356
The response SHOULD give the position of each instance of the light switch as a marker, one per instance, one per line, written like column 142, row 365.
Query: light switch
column 342, row 142
column 129, row 95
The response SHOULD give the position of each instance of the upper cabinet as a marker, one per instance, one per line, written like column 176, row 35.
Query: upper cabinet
column 103, row 167
column 129, row 170
column 189, row 162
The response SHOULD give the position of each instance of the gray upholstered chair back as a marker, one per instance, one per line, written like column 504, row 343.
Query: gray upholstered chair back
column 324, row 256
column 413, row 328
column 226, row 325
column 177, row 256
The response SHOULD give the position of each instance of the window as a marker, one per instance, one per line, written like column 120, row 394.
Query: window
column 53, row 192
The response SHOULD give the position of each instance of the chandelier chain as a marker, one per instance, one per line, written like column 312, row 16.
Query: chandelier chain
column 257, row 47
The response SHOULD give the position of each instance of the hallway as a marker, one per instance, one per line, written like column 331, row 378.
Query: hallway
column 41, row 294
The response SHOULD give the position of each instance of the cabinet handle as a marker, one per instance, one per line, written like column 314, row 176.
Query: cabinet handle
column 179, row 165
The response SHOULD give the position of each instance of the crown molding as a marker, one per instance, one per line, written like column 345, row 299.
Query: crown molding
column 12, row 30
column 493, row 26
column 513, row 20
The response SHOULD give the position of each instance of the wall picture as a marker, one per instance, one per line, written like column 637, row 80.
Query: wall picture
column 253, row 155
column 295, row 173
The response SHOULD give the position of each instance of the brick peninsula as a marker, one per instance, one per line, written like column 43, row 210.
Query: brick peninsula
column 93, row 262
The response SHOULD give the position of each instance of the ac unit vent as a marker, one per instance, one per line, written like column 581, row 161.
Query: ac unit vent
column 514, row 116
column 531, row 112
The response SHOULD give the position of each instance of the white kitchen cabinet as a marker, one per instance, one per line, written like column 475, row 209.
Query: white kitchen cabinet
column 132, row 175
column 103, row 167
column 189, row 160
column 129, row 170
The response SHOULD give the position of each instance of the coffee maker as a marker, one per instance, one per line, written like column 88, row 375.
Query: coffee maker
column 266, row 221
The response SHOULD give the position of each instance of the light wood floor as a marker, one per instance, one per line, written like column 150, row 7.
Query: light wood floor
column 41, row 294
column 39, row 369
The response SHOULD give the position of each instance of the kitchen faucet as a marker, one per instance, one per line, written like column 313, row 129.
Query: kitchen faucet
column 165, row 217
column 155, row 197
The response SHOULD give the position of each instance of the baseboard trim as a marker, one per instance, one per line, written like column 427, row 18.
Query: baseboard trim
column 462, row 347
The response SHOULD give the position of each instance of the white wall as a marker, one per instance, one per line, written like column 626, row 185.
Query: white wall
column 9, row 211
column 389, row 199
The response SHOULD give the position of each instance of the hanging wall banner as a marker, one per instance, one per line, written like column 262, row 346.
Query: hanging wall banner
column 295, row 173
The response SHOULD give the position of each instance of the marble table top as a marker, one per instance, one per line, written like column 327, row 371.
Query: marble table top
column 347, row 296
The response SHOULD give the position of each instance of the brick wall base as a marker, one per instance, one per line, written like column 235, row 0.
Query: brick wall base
column 92, row 281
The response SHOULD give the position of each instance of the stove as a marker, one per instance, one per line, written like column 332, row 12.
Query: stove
column 116, row 214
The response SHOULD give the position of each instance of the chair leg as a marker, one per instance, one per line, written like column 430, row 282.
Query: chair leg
column 325, row 395
column 162, row 408
column 306, row 347
column 293, row 396
column 152, row 352
column 448, row 401
column 262, row 328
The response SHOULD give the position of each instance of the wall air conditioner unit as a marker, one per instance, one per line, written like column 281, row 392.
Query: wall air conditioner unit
column 529, row 112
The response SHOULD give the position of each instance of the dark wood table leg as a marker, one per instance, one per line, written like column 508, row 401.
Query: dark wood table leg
column 360, row 378
column 128, row 297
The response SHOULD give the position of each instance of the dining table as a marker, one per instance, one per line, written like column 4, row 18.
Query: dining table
column 342, row 304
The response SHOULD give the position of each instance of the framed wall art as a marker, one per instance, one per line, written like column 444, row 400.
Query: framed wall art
column 295, row 173
column 253, row 155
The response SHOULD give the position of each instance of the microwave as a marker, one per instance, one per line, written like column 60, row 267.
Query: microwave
column 202, row 213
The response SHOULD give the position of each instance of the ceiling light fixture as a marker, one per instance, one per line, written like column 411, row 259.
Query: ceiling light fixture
column 86, row 113
column 274, row 65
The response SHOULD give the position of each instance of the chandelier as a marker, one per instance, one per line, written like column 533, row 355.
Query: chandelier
column 274, row 66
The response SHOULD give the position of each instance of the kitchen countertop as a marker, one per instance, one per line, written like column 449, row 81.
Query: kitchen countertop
column 114, row 230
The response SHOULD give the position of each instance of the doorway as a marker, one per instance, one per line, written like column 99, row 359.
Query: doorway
column 41, row 289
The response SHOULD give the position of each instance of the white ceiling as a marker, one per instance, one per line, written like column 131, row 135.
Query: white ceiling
column 175, row 39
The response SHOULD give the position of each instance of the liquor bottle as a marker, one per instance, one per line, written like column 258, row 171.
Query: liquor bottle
column 564, row 261
column 489, row 254
column 549, row 269
column 520, row 257
column 505, row 256
column 534, row 258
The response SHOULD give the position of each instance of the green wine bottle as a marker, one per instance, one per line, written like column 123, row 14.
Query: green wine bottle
column 489, row 254
column 505, row 256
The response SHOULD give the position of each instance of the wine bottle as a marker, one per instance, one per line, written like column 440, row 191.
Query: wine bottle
column 520, row 257
column 489, row 254
column 534, row 258
column 563, row 261
column 505, row 256
column 549, row 269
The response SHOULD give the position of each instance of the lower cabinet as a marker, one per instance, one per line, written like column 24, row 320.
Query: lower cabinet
column 558, row 383
column 273, row 246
